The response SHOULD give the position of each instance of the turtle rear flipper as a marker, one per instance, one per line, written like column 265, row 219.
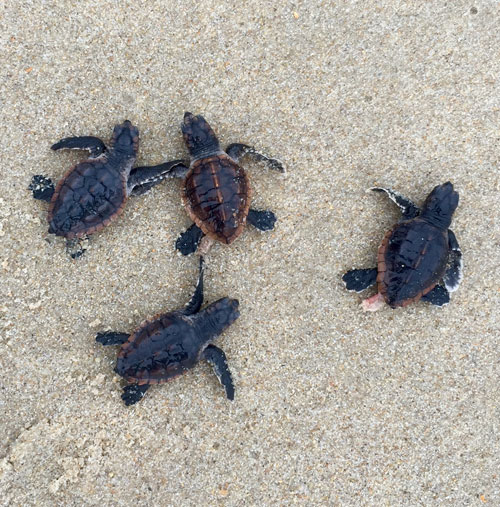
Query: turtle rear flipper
column 134, row 393
column 217, row 359
column 453, row 275
column 262, row 220
column 187, row 243
column 93, row 144
column 237, row 151
column 407, row 207
column 75, row 246
column 360, row 279
column 438, row 296
column 112, row 338
column 42, row 188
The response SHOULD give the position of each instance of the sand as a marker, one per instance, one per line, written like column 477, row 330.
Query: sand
column 333, row 406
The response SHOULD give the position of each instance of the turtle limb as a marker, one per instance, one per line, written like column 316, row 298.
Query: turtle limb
column 142, row 179
column 453, row 274
column 262, row 220
column 360, row 279
column 42, row 188
column 217, row 359
column 134, row 393
column 187, row 243
column 237, row 151
column 112, row 338
column 408, row 209
column 196, row 300
column 75, row 247
column 438, row 296
column 90, row 143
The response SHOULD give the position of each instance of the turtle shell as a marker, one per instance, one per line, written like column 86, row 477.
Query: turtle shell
column 160, row 350
column 217, row 196
column 87, row 198
column 411, row 260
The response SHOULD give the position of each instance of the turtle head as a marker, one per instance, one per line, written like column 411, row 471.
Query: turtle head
column 439, row 206
column 199, row 137
column 125, row 140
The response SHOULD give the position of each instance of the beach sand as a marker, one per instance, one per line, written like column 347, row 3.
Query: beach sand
column 333, row 406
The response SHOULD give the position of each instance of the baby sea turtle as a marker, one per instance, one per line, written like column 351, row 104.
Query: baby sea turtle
column 94, row 192
column 415, row 254
column 172, row 343
column 216, row 190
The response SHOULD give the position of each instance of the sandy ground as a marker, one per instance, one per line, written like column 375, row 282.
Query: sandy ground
column 333, row 406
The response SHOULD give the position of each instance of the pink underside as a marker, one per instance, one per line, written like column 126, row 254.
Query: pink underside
column 374, row 303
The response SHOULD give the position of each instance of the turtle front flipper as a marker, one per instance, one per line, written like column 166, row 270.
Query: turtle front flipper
column 112, row 338
column 134, row 393
column 407, row 207
column 262, row 220
column 42, row 188
column 237, row 151
column 217, row 359
column 453, row 274
column 187, row 243
column 90, row 143
column 360, row 279
column 196, row 300
column 144, row 178
column 438, row 296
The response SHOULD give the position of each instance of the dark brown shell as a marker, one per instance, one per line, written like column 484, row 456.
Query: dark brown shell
column 171, row 336
column 411, row 261
column 89, row 196
column 217, row 196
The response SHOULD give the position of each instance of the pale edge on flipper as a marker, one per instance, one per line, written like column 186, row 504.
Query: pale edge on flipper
column 217, row 358
column 454, row 269
column 238, row 150
column 407, row 207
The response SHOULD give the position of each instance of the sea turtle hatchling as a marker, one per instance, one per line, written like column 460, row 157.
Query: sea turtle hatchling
column 172, row 343
column 93, row 193
column 216, row 190
column 415, row 255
